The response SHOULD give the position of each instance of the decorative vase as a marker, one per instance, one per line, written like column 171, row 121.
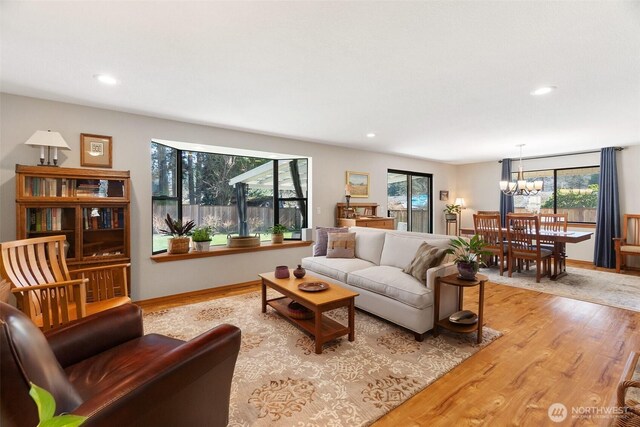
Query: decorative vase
column 467, row 270
column 299, row 272
column 178, row 245
column 277, row 238
column 282, row 272
column 201, row 246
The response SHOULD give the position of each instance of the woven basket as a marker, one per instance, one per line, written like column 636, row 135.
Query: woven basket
column 179, row 245
column 298, row 311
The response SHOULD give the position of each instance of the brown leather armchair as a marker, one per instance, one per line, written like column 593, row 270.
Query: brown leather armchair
column 105, row 368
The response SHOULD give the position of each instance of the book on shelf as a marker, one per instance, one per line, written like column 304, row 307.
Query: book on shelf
column 45, row 219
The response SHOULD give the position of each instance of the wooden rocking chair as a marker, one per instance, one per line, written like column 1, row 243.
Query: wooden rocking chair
column 48, row 292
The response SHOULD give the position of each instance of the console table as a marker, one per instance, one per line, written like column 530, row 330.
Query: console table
column 362, row 215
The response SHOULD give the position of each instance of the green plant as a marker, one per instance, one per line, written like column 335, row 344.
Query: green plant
column 452, row 209
column 47, row 407
column 277, row 229
column 468, row 251
column 201, row 234
column 176, row 228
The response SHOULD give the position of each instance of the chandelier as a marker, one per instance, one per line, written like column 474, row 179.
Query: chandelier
column 521, row 187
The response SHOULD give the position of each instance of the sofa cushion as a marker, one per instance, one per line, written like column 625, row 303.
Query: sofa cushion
column 369, row 243
column 320, row 247
column 426, row 257
column 399, row 250
column 335, row 268
column 341, row 245
column 393, row 283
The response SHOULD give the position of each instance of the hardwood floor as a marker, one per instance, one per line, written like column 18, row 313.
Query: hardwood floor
column 554, row 349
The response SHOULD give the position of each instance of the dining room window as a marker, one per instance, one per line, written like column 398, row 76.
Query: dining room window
column 573, row 191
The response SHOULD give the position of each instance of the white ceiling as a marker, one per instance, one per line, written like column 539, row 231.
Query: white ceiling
column 448, row 81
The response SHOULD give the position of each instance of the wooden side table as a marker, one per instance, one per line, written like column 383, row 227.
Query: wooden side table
column 453, row 280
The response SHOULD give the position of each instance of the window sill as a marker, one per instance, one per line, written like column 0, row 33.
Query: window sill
column 222, row 250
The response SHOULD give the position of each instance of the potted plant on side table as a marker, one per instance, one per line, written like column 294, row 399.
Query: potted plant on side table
column 277, row 233
column 179, row 232
column 468, row 255
column 201, row 237
column 451, row 211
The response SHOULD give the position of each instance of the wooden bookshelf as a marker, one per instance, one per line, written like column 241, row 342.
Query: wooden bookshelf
column 91, row 207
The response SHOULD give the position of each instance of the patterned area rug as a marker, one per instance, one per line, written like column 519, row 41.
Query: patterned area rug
column 601, row 287
column 280, row 381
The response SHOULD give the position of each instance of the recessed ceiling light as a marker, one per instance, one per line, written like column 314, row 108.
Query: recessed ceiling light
column 106, row 79
column 543, row 90
column 371, row 135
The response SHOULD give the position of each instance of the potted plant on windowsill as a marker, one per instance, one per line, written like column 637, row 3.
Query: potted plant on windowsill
column 277, row 233
column 201, row 237
column 468, row 255
column 179, row 232
column 452, row 211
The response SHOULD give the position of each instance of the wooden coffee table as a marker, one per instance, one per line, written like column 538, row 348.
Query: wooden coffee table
column 320, row 327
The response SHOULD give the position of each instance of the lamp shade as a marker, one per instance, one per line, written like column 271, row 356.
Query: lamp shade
column 46, row 138
column 459, row 201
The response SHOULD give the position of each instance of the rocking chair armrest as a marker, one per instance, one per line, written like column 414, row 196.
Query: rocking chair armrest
column 622, row 390
column 74, row 282
column 102, row 267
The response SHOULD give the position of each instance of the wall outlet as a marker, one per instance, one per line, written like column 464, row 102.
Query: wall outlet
column 318, row 210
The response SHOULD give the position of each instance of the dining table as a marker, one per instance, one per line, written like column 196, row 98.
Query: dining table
column 559, row 239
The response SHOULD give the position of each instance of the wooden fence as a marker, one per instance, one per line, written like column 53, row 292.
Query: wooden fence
column 224, row 219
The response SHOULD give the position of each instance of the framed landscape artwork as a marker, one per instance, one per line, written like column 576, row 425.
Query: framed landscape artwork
column 95, row 150
column 358, row 183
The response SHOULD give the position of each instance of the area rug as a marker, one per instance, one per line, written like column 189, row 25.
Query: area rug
column 280, row 381
column 601, row 287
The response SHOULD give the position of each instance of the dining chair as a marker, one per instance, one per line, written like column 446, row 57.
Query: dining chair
column 490, row 231
column 488, row 212
column 554, row 223
column 522, row 232
column 629, row 243
column 48, row 292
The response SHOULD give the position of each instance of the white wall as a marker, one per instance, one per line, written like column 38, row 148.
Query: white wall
column 478, row 184
column 21, row 116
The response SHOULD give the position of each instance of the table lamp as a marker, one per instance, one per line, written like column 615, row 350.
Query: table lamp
column 48, row 139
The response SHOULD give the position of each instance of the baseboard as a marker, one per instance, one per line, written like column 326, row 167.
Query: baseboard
column 195, row 296
column 580, row 263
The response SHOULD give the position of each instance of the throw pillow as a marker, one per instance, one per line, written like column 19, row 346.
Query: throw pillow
column 320, row 248
column 426, row 257
column 341, row 245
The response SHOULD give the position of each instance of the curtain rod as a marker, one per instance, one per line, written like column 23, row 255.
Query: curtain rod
column 560, row 155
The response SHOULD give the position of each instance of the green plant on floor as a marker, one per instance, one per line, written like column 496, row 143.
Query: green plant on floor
column 47, row 407
column 202, row 234
column 176, row 228
column 277, row 229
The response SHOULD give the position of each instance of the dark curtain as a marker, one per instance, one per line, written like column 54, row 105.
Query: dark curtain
column 506, row 202
column 241, row 204
column 295, row 177
column 608, row 217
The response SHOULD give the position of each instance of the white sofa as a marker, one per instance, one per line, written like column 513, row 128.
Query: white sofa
column 376, row 274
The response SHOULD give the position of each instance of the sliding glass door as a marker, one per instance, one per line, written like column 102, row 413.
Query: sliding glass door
column 409, row 200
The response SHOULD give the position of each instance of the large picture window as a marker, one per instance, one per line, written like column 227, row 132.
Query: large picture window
column 232, row 194
column 573, row 191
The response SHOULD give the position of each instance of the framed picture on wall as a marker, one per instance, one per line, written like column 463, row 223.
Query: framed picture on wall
column 95, row 150
column 358, row 183
column 444, row 195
